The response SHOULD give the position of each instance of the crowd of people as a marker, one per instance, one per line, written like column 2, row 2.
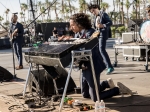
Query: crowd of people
column 62, row 33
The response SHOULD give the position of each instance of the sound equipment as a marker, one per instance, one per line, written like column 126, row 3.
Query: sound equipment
column 129, row 36
column 46, row 82
column 58, row 54
column 55, row 56
column 145, row 31
column 5, row 75
column 5, row 43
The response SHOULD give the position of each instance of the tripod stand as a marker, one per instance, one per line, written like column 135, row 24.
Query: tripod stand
column 15, row 75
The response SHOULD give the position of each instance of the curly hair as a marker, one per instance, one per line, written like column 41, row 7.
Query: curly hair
column 93, row 6
column 82, row 20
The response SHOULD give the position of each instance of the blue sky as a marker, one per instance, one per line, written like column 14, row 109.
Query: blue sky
column 14, row 6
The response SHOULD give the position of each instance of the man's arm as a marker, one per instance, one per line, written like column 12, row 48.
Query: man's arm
column 21, row 30
column 107, row 20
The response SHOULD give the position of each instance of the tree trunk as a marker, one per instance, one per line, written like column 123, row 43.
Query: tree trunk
column 62, row 8
column 114, row 10
column 122, row 13
column 70, row 7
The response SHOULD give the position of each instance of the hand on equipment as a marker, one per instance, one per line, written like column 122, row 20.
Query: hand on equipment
column 61, row 38
column 100, row 25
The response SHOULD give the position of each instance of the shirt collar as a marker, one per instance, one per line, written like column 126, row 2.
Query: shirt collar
column 82, row 31
column 15, row 23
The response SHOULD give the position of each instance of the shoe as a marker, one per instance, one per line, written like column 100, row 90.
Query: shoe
column 123, row 89
column 19, row 67
column 109, row 71
column 111, row 83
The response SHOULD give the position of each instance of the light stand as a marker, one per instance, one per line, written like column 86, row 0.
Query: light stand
column 15, row 75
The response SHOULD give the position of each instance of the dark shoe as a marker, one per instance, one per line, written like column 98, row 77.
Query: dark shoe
column 109, row 71
column 19, row 67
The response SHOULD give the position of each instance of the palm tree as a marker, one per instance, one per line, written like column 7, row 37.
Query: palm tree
column 48, row 3
column 122, row 12
column 24, row 7
column 117, row 4
column 104, row 6
column 21, row 16
column 39, row 5
column 62, row 8
column 7, row 12
column 55, row 8
column 138, row 6
column 70, row 6
column 66, row 14
column 127, row 5
column 82, row 6
column 42, row 10
column 6, row 24
column 114, row 5
column 74, row 9
column 1, row 19
column 134, row 15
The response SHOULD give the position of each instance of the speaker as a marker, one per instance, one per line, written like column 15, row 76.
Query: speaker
column 5, row 75
column 45, row 81
column 134, row 52
column 5, row 43
column 128, row 36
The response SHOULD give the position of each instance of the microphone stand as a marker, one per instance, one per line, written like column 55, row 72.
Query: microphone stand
column 14, row 75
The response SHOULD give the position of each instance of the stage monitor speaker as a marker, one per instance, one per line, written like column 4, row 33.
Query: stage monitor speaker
column 38, row 29
column 46, row 83
column 5, row 43
column 129, row 36
column 5, row 75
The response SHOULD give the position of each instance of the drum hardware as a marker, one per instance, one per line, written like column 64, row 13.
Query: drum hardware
column 136, row 23
column 144, row 32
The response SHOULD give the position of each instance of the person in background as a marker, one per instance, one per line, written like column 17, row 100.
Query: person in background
column 81, row 26
column 148, row 13
column 16, row 34
column 60, row 31
column 102, row 23
column 66, row 30
column 55, row 32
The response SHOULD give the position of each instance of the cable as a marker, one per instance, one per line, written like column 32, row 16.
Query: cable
column 4, row 6
column 11, row 5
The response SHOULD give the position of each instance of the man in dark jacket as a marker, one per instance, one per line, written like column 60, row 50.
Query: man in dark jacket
column 16, row 35
column 102, row 23
column 81, row 26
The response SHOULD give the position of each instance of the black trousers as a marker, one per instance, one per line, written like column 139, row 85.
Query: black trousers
column 88, row 87
column 18, row 50
column 102, row 49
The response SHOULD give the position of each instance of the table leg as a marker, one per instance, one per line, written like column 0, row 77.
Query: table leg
column 25, row 86
column 66, row 85
column 146, row 64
